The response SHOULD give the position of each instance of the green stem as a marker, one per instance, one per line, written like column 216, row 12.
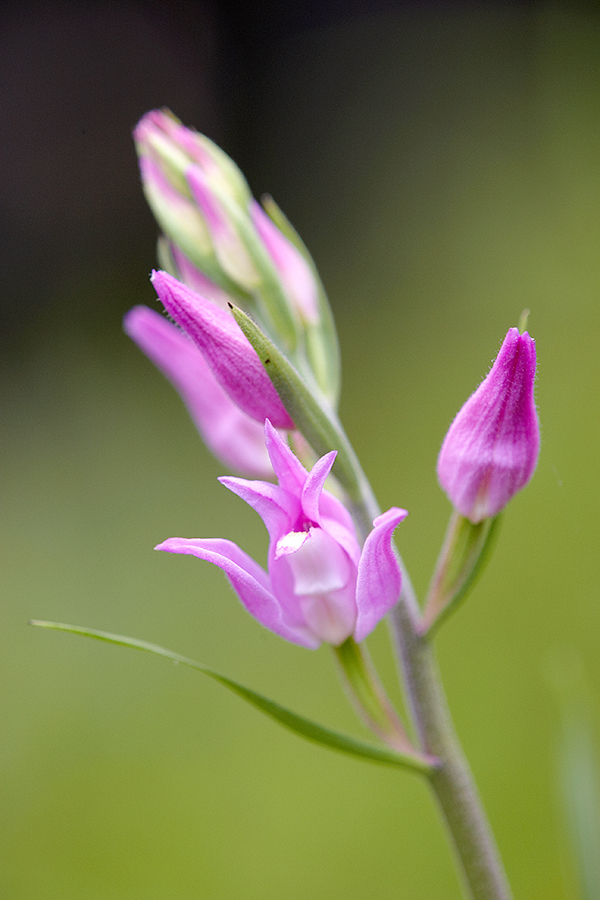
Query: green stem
column 465, row 549
column 371, row 700
column 451, row 780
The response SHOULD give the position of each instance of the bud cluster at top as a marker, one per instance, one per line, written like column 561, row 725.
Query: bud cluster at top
column 226, row 246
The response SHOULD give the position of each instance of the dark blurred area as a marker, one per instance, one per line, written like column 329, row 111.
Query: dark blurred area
column 75, row 79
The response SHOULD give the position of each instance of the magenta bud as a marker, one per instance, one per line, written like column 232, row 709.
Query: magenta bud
column 490, row 451
column 234, row 438
column 233, row 360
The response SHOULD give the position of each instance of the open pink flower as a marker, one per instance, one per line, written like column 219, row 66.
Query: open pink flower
column 320, row 586
column 492, row 446
column 232, row 435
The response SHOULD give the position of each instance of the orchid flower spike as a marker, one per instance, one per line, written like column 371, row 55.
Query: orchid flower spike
column 491, row 449
column 320, row 586
column 230, row 434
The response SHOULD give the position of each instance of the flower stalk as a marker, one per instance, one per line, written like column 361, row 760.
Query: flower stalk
column 452, row 783
column 370, row 698
column 463, row 552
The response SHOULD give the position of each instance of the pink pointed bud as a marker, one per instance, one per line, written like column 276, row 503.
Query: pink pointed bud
column 204, row 207
column 197, row 215
column 294, row 272
column 159, row 135
column 225, row 348
column 320, row 586
column 231, row 435
column 174, row 210
column 492, row 446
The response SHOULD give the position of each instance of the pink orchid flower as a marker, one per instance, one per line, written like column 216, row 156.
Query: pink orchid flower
column 490, row 451
column 320, row 585
column 229, row 433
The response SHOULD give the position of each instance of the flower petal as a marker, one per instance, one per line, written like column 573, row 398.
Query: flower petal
column 249, row 580
column 191, row 275
column 277, row 508
column 295, row 273
column 379, row 579
column 319, row 564
column 229, row 248
column 290, row 472
column 313, row 486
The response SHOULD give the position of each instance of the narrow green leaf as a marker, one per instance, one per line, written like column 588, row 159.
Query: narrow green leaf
column 298, row 724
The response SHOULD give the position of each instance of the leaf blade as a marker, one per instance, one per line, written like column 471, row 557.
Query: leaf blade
column 298, row 724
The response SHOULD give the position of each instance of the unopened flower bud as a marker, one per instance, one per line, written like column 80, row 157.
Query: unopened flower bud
column 228, row 352
column 230, row 434
column 222, row 218
column 294, row 271
column 491, row 449
column 176, row 263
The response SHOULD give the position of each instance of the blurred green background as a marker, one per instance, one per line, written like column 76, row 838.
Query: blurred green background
column 442, row 162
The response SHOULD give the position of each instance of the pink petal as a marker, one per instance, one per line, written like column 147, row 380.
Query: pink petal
column 344, row 536
column 313, row 486
column 197, row 280
column 248, row 579
column 294, row 271
column 290, row 472
column 229, row 248
column 319, row 564
column 379, row 579
column 277, row 508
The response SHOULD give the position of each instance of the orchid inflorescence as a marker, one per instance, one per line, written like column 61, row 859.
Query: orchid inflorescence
column 222, row 250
